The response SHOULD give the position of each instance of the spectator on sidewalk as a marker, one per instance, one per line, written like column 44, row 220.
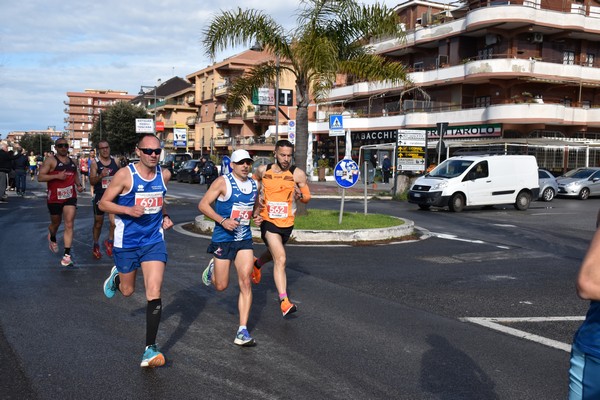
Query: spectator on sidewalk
column 21, row 165
column 386, row 167
column 5, row 168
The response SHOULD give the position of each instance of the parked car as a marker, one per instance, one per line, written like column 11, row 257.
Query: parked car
column 174, row 161
column 581, row 183
column 187, row 172
column 548, row 185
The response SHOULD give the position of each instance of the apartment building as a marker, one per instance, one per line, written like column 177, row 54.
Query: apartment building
column 83, row 109
column 219, row 131
column 519, row 76
column 171, row 103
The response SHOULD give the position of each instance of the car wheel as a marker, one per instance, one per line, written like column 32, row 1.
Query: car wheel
column 424, row 206
column 584, row 194
column 523, row 200
column 548, row 194
column 457, row 202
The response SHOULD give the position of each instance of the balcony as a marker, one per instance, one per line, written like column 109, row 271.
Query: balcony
column 222, row 90
column 262, row 114
column 229, row 116
column 191, row 121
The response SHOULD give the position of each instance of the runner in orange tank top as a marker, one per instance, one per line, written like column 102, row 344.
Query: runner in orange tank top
column 281, row 185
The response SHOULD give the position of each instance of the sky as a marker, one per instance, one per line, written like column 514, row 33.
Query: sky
column 49, row 48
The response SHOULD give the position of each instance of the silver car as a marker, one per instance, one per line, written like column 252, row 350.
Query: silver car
column 581, row 183
column 548, row 185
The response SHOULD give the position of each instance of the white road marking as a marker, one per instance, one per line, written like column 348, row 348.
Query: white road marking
column 454, row 237
column 505, row 225
column 494, row 323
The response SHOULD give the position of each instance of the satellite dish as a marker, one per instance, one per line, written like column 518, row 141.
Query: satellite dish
column 267, row 133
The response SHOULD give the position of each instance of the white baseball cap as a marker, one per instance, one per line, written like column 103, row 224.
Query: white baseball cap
column 240, row 155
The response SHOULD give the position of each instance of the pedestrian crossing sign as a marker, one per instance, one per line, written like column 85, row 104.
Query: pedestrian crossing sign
column 336, row 122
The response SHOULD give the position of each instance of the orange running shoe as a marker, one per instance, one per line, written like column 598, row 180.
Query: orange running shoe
column 109, row 247
column 96, row 252
column 256, row 274
column 287, row 307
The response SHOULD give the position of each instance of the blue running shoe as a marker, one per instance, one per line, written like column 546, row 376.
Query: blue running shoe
column 110, row 288
column 208, row 272
column 243, row 338
column 152, row 357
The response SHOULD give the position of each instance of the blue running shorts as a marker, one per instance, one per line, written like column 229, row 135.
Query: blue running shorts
column 228, row 250
column 128, row 260
column 584, row 376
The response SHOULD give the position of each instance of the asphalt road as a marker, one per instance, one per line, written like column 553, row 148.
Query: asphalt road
column 398, row 321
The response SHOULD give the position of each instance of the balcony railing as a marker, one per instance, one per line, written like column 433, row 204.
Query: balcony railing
column 221, row 90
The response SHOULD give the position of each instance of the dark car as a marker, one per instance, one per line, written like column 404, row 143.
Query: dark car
column 188, row 173
column 173, row 162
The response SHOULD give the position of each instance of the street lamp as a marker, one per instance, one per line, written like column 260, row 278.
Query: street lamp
column 143, row 94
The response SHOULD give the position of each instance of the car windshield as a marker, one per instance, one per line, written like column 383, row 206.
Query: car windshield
column 450, row 168
column 190, row 164
column 582, row 173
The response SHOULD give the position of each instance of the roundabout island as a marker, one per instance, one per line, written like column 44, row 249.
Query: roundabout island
column 405, row 230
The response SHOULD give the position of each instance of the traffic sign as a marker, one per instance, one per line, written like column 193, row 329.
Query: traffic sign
column 336, row 125
column 346, row 173
column 336, row 122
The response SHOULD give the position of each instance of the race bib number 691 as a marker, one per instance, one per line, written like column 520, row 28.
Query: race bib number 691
column 152, row 202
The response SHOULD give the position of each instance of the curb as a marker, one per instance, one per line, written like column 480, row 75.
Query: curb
column 339, row 236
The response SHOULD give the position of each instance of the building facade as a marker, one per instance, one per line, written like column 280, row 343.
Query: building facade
column 83, row 109
column 523, row 73
column 218, row 131
column 171, row 104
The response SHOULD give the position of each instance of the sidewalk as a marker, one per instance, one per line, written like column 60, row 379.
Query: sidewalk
column 331, row 189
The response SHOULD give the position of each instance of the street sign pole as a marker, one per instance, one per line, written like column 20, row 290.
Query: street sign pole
column 365, row 180
column 342, row 206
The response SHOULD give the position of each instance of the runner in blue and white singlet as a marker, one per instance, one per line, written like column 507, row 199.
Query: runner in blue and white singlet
column 237, row 204
column 133, row 232
column 135, row 196
column 234, row 196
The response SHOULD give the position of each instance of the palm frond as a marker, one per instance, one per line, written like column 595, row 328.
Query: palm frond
column 241, row 90
column 242, row 27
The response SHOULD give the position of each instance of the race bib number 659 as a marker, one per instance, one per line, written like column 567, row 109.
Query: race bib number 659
column 152, row 202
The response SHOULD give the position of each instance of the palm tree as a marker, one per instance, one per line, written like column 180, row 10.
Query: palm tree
column 330, row 38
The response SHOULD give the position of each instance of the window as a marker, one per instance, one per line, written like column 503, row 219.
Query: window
column 568, row 57
column 483, row 101
column 566, row 102
column 485, row 54
column 589, row 60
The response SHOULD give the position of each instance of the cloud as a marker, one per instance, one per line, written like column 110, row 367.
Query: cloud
column 50, row 48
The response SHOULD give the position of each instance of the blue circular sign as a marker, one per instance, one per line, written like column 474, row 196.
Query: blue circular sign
column 226, row 165
column 346, row 173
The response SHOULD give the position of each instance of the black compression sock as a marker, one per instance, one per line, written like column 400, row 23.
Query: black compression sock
column 153, row 313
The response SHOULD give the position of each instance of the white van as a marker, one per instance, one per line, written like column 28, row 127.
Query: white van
column 478, row 181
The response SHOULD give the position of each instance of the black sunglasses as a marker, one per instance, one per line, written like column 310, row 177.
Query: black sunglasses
column 149, row 152
column 59, row 145
column 247, row 162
